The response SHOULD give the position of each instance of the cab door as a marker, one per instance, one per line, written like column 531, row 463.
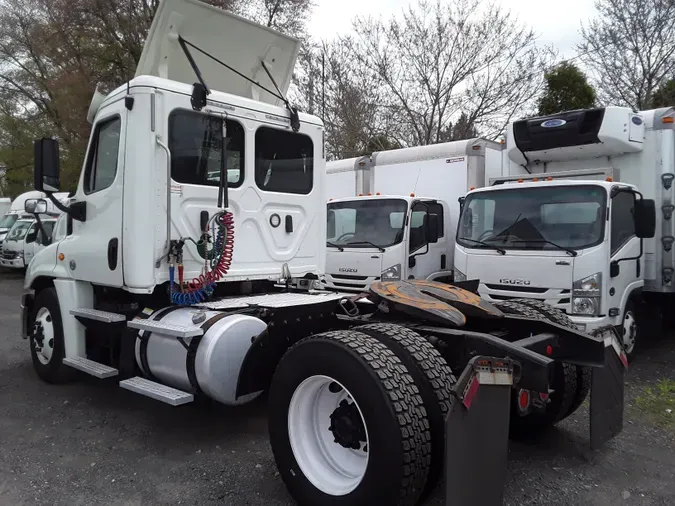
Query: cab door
column 93, row 248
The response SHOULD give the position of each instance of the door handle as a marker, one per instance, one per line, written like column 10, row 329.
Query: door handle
column 289, row 224
column 112, row 253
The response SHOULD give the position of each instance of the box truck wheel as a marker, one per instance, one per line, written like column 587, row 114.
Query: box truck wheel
column 347, row 424
column 526, row 421
column 583, row 373
column 433, row 378
column 629, row 329
column 47, row 347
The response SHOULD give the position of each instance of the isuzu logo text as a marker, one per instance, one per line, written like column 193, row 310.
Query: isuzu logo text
column 516, row 281
column 347, row 269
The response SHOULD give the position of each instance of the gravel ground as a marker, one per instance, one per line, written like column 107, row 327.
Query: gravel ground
column 92, row 443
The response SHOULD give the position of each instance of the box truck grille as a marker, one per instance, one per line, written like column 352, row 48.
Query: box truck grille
column 9, row 255
column 555, row 297
column 353, row 278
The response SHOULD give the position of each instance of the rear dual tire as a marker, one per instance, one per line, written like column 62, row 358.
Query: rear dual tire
column 357, row 386
column 570, row 383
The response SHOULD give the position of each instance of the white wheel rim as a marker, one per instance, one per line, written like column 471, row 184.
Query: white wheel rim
column 44, row 352
column 629, row 331
column 329, row 466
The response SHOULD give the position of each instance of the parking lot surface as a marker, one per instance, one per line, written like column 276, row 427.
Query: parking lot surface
column 92, row 443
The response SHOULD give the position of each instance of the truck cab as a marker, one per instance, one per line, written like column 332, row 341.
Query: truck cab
column 24, row 240
column 385, row 237
column 572, row 232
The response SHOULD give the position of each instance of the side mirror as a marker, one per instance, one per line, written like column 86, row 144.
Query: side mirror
column 35, row 206
column 645, row 218
column 330, row 232
column 47, row 168
column 433, row 225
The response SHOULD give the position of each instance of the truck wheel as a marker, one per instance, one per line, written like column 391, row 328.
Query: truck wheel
column 583, row 373
column 629, row 329
column 525, row 423
column 433, row 378
column 347, row 424
column 47, row 347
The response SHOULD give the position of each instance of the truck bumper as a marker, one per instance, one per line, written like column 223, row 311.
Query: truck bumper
column 590, row 323
column 17, row 263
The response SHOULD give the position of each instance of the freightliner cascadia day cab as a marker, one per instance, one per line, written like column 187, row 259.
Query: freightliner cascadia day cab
column 187, row 267
column 393, row 215
column 577, row 231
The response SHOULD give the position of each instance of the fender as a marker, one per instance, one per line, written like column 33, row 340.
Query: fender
column 633, row 291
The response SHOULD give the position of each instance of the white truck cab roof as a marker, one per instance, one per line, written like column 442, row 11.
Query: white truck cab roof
column 555, row 182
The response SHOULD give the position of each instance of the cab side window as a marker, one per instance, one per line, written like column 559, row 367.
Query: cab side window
column 623, row 224
column 419, row 217
column 102, row 158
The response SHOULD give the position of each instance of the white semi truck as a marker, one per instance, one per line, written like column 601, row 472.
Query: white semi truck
column 578, row 231
column 363, row 405
column 393, row 215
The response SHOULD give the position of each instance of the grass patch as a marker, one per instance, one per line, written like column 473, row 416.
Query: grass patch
column 658, row 400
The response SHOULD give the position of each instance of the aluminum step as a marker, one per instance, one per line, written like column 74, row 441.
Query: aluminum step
column 101, row 371
column 157, row 391
column 165, row 328
column 98, row 315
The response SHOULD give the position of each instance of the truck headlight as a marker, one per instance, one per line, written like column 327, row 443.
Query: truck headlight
column 391, row 274
column 19, row 254
column 459, row 276
column 586, row 295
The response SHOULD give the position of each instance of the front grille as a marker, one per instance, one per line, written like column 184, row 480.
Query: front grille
column 555, row 297
column 9, row 255
column 352, row 277
column 512, row 288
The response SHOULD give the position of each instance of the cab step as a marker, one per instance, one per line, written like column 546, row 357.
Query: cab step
column 100, row 371
column 98, row 315
column 157, row 391
column 165, row 328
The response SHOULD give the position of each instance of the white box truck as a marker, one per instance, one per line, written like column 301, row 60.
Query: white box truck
column 361, row 406
column 5, row 204
column 576, row 232
column 393, row 215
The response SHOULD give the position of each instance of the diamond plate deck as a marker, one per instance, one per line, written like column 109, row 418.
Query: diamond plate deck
column 274, row 300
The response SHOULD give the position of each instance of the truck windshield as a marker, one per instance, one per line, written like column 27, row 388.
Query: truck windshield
column 366, row 223
column 19, row 230
column 545, row 218
column 8, row 220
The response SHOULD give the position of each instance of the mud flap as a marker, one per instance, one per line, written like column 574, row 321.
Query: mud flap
column 477, row 433
column 607, row 393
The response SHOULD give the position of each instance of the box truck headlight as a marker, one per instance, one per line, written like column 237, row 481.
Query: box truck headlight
column 392, row 274
column 459, row 276
column 586, row 295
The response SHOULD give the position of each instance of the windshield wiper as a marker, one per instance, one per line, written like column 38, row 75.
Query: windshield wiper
column 569, row 251
column 501, row 251
column 333, row 245
column 382, row 250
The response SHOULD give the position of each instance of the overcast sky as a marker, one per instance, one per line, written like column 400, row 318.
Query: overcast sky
column 556, row 26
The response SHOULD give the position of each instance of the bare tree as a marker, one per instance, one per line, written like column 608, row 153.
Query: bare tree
column 630, row 49
column 445, row 57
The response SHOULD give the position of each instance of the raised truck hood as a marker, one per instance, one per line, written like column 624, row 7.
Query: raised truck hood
column 241, row 44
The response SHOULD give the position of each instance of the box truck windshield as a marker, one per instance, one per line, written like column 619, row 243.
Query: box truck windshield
column 366, row 223
column 19, row 230
column 561, row 217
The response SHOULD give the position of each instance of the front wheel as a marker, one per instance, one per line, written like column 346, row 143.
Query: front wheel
column 628, row 329
column 347, row 425
column 47, row 346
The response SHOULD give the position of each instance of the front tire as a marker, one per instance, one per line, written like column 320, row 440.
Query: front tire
column 47, row 345
column 629, row 330
column 347, row 424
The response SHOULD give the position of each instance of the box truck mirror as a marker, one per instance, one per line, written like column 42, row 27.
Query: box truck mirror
column 645, row 218
column 35, row 206
column 47, row 169
column 433, row 225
